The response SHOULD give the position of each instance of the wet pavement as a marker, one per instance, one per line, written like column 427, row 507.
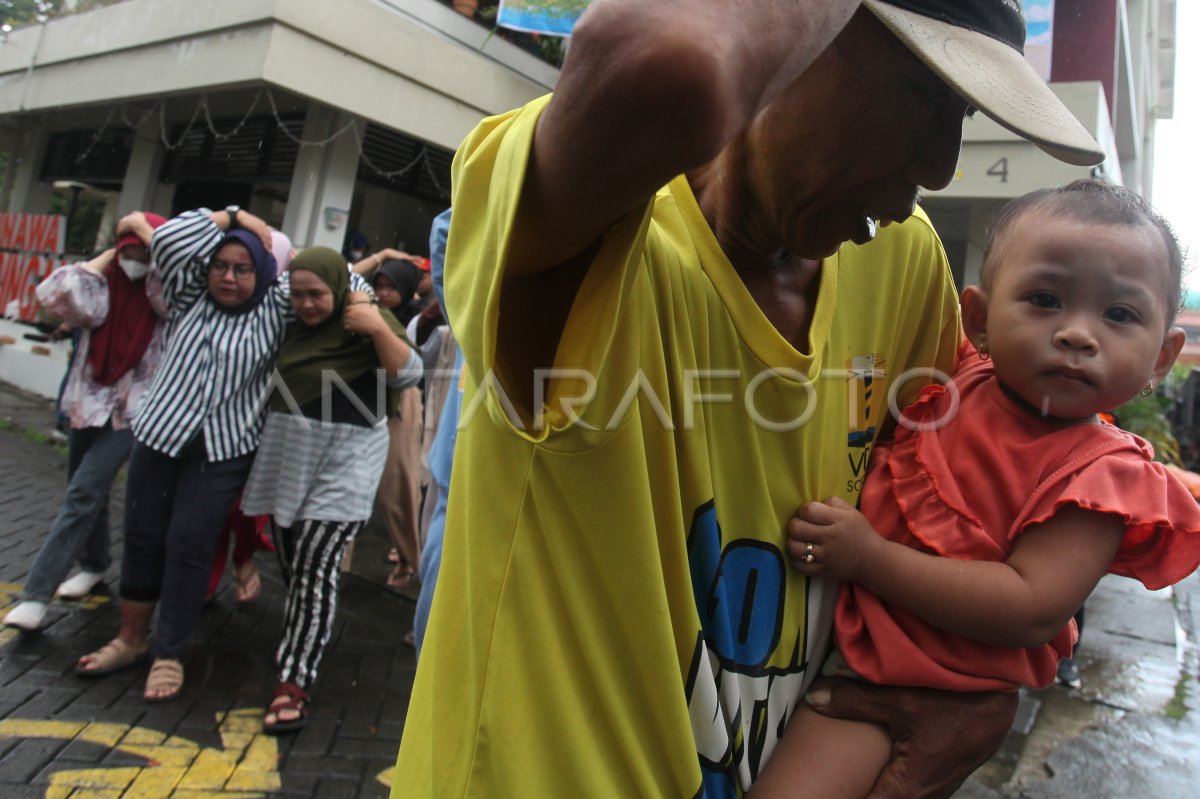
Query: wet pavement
column 62, row 735
column 1132, row 730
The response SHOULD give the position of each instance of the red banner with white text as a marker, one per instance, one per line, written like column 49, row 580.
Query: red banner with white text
column 31, row 247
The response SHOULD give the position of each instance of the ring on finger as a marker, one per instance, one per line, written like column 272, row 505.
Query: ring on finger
column 808, row 556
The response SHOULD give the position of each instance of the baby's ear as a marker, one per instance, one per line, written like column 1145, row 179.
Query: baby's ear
column 974, row 307
column 1171, row 346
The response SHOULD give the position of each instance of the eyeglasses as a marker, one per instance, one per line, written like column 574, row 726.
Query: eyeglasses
column 219, row 267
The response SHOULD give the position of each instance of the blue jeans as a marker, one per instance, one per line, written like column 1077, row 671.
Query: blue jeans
column 175, row 510
column 441, row 461
column 431, row 564
column 80, row 532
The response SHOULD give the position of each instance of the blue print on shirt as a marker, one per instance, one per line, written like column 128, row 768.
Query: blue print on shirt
column 746, row 670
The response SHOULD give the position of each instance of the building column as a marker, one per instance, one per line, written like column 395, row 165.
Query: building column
column 322, row 179
column 141, row 175
column 106, row 232
column 29, row 194
column 981, row 216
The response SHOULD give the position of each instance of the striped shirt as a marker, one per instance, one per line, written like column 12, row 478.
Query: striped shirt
column 214, row 377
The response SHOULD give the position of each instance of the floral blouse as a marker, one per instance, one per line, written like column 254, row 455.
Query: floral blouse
column 80, row 298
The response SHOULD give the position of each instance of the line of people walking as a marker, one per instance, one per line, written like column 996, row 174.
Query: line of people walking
column 240, row 380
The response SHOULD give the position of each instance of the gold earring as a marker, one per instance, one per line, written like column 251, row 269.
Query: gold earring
column 1148, row 390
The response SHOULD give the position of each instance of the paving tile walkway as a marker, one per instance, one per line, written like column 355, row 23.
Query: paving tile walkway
column 62, row 735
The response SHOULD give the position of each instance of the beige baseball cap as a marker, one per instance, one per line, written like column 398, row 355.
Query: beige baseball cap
column 977, row 48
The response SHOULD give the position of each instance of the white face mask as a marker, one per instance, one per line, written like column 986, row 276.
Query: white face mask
column 134, row 269
column 356, row 255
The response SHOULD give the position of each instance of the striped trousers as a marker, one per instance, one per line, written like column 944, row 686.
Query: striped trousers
column 310, row 554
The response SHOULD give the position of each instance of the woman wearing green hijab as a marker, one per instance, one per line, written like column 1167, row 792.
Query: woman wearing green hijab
column 339, row 374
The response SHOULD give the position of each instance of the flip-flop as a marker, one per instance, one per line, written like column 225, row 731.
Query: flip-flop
column 165, row 675
column 113, row 656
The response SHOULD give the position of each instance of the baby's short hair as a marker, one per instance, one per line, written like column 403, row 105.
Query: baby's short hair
column 1088, row 200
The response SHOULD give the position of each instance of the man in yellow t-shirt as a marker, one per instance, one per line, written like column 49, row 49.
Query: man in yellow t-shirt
column 657, row 378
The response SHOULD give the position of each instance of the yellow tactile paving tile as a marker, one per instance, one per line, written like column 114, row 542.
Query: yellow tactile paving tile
column 246, row 765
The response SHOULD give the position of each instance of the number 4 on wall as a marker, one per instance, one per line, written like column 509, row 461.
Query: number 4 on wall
column 999, row 170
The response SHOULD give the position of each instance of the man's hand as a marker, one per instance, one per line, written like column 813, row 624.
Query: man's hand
column 831, row 539
column 938, row 737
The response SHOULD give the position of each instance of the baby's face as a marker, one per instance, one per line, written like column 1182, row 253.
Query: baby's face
column 1077, row 315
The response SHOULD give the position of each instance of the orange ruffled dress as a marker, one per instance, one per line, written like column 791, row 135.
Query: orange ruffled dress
column 969, row 490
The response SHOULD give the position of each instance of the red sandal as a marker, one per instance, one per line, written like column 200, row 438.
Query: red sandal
column 296, row 699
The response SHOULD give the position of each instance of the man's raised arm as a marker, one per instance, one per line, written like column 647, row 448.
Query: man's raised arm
column 651, row 90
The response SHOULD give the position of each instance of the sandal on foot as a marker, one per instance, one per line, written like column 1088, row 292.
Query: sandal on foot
column 246, row 582
column 113, row 656
column 287, row 697
column 401, row 578
column 165, row 680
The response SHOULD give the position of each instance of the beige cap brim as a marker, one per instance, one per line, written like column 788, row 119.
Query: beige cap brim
column 996, row 79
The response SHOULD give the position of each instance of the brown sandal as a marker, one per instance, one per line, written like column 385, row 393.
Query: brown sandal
column 294, row 699
column 113, row 656
column 165, row 680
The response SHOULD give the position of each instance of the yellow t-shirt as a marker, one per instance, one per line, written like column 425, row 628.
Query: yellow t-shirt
column 615, row 613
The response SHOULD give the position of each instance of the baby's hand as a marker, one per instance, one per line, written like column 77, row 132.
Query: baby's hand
column 830, row 539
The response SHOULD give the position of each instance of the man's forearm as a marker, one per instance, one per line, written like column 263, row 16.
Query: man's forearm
column 652, row 90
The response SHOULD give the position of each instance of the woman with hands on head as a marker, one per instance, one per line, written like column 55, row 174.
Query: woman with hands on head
column 397, row 282
column 322, row 452
column 197, row 431
column 117, row 301
column 248, row 533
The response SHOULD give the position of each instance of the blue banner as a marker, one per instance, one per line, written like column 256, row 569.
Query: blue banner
column 549, row 17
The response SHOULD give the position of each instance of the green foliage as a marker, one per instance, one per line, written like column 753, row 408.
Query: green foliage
column 22, row 12
column 29, row 434
column 83, row 221
column 1150, row 417
column 25, row 12
column 1177, row 708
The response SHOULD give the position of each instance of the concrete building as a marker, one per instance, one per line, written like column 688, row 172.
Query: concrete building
column 1112, row 62
column 325, row 118
column 320, row 117
column 329, row 117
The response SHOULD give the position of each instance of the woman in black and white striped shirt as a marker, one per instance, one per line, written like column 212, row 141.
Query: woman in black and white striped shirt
column 197, row 430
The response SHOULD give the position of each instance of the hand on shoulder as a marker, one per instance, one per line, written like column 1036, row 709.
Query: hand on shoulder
column 362, row 315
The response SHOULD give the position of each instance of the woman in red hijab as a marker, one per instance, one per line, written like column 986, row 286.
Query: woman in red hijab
column 117, row 302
